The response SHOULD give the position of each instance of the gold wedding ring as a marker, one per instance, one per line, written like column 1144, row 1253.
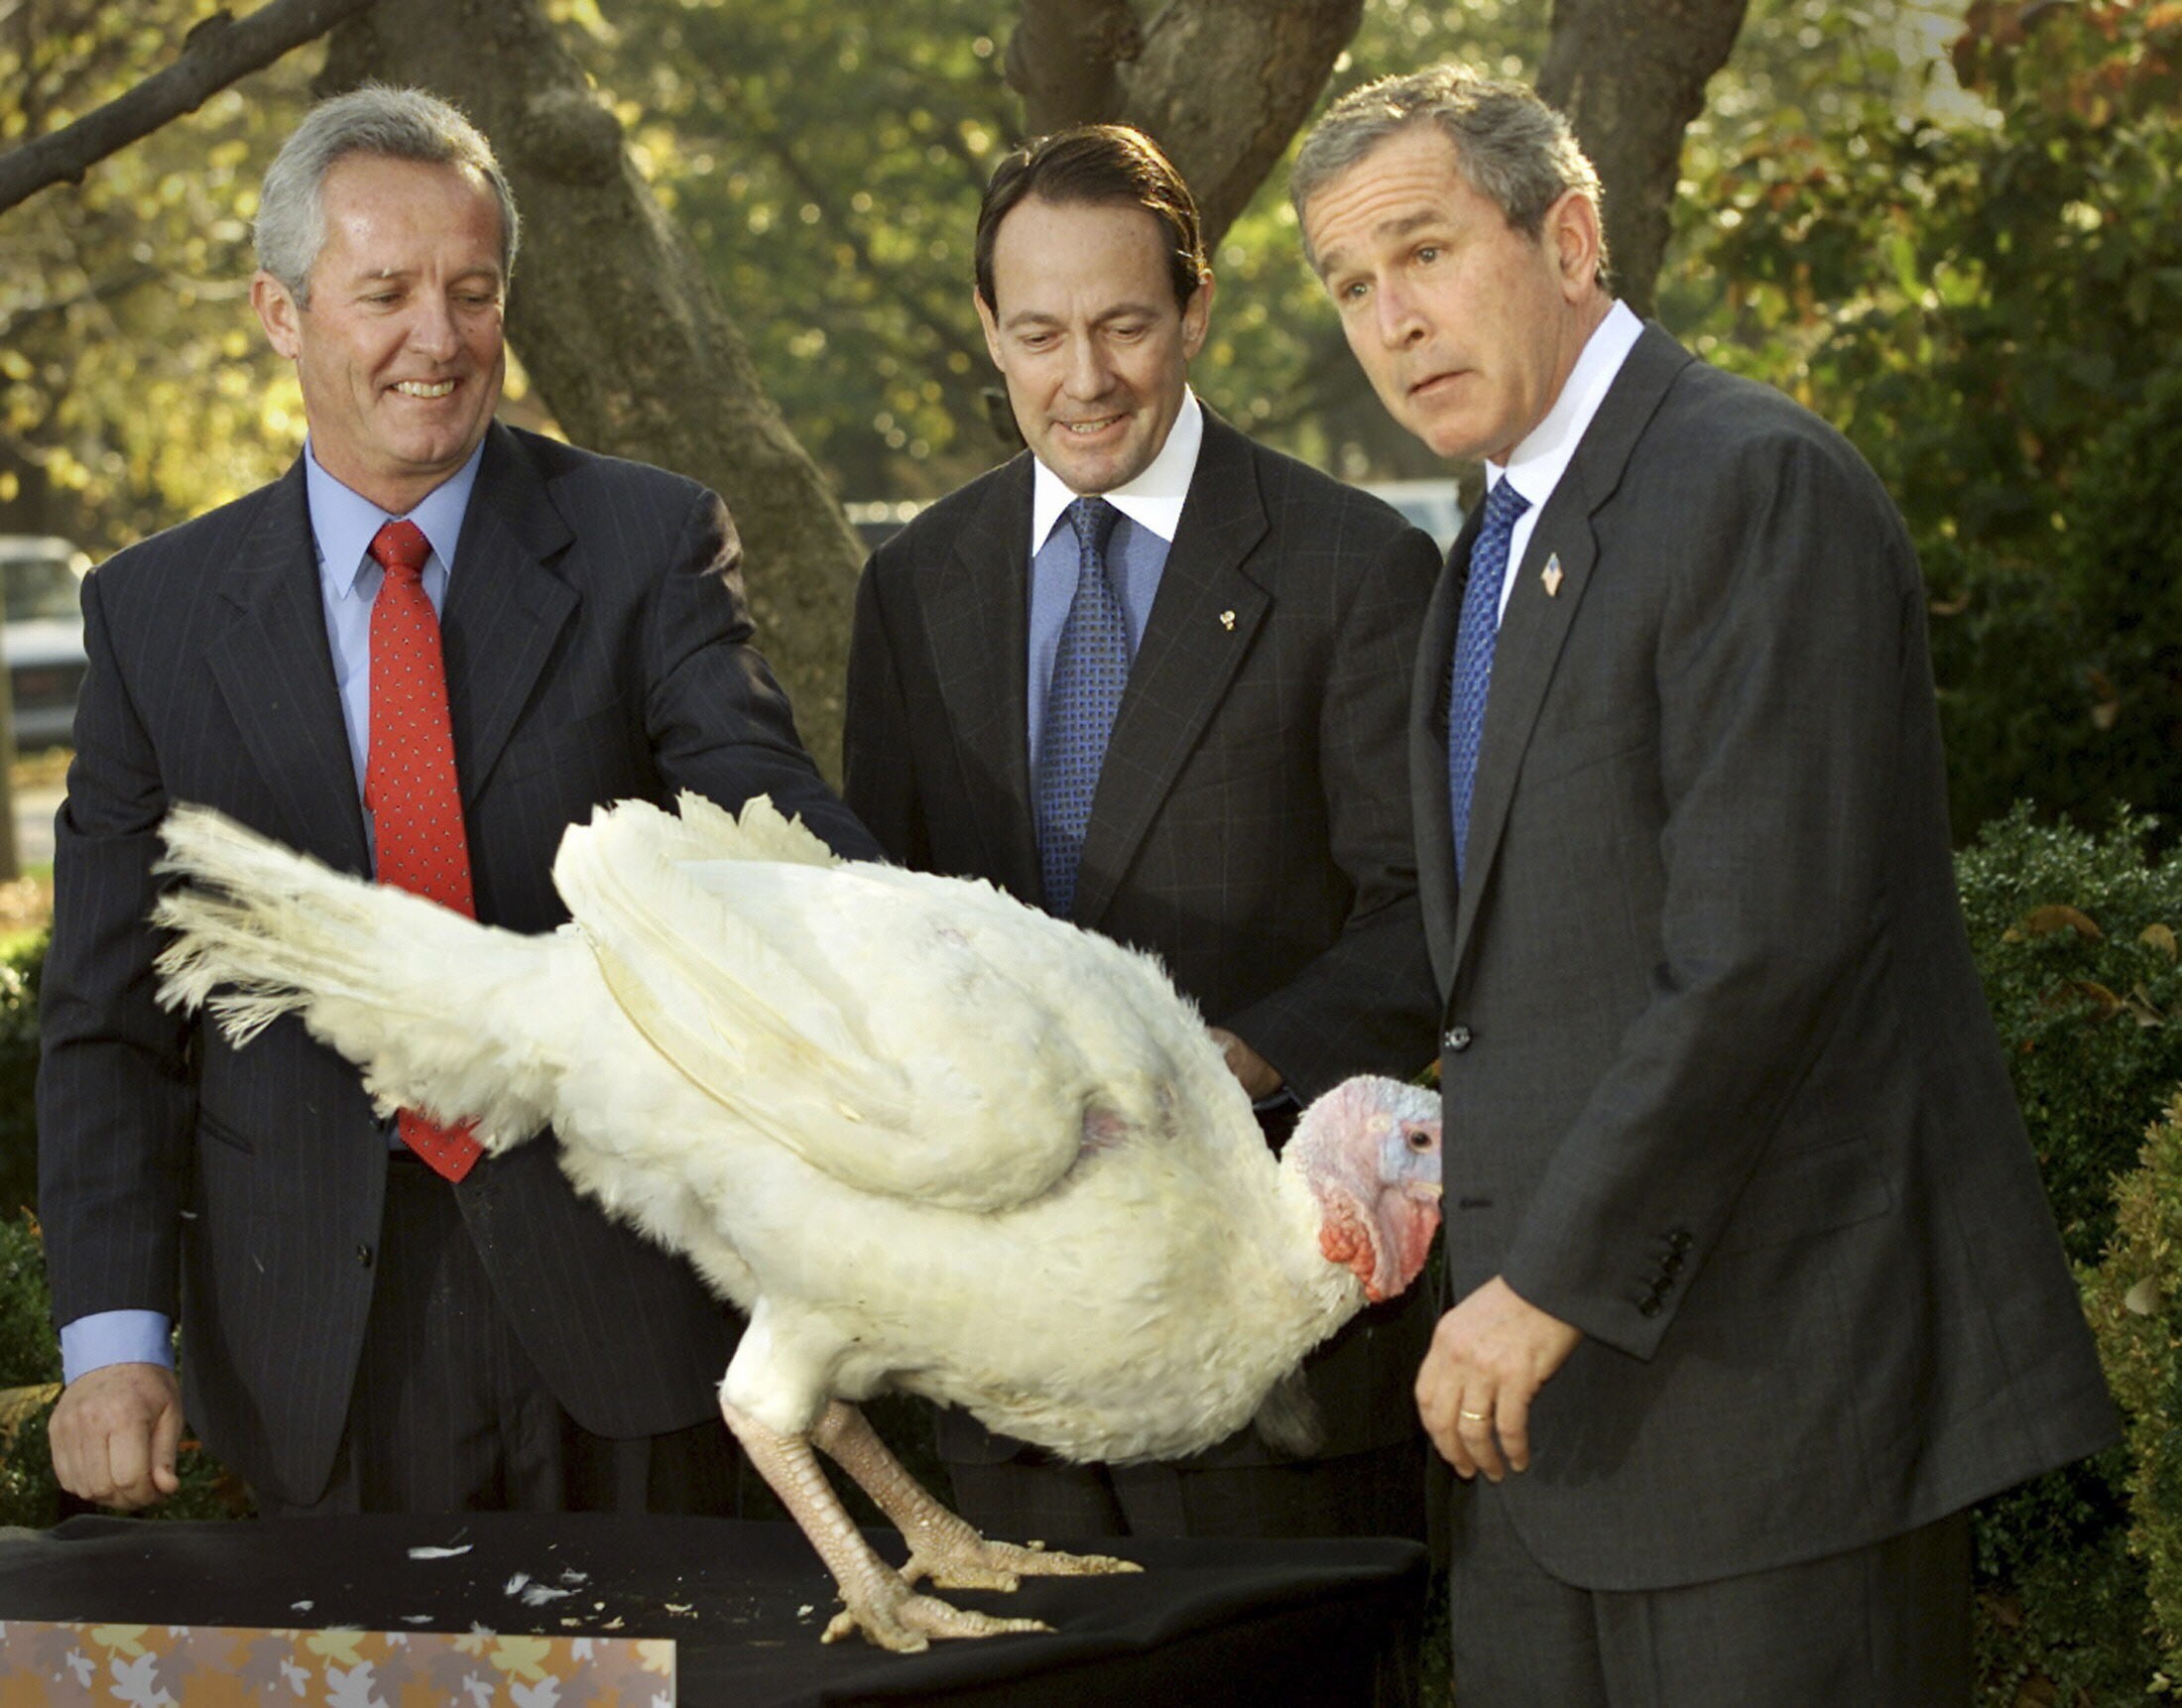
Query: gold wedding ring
column 1475, row 1416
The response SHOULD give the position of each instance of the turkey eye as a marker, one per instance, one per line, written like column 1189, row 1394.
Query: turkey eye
column 1419, row 1139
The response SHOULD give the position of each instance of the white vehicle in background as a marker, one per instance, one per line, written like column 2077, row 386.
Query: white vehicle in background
column 42, row 581
column 1432, row 505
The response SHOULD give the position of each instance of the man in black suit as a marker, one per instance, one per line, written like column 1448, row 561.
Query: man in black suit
column 1240, row 805
column 362, row 1330
column 1754, row 1288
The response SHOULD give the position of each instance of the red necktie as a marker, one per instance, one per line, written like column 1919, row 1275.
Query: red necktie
column 409, row 786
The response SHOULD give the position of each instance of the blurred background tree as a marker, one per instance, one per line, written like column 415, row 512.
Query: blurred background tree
column 135, row 388
column 1986, row 297
column 632, row 325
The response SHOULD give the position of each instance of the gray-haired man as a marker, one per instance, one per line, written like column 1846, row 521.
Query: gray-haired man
column 1753, row 1288
column 376, row 1318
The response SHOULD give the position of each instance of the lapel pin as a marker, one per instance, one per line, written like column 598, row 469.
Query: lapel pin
column 1227, row 618
column 1551, row 575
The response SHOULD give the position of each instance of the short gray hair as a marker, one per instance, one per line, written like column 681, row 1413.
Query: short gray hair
column 1512, row 147
column 396, row 124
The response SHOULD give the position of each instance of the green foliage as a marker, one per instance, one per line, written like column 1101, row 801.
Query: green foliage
column 2136, row 1301
column 2074, row 935
column 1988, row 305
column 135, row 386
column 19, row 972
column 30, row 1352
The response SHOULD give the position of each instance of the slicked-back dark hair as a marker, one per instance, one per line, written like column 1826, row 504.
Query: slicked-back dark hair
column 1103, row 165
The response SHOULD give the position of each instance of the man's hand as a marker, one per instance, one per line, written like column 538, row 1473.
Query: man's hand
column 1258, row 1076
column 1488, row 1360
column 115, row 1433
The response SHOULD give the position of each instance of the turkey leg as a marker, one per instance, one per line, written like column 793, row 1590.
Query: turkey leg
column 942, row 1545
column 879, row 1600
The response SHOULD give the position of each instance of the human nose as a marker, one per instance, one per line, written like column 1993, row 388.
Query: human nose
column 1401, row 320
column 1089, row 374
column 433, row 332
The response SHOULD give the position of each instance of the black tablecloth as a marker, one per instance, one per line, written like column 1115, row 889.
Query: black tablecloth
column 1205, row 1623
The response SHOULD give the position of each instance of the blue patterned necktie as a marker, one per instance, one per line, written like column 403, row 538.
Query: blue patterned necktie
column 1090, row 669
column 1470, row 672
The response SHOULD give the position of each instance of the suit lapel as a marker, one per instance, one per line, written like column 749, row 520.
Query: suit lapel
column 1208, row 608
column 506, row 608
column 274, row 666
column 1536, row 624
column 978, row 601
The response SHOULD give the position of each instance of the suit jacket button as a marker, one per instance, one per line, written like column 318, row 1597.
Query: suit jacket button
column 1672, row 1264
column 363, row 1255
column 1649, row 1306
column 1457, row 1039
column 1680, row 1240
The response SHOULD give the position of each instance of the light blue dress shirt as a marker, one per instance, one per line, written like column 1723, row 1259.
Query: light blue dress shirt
column 343, row 525
column 1150, row 508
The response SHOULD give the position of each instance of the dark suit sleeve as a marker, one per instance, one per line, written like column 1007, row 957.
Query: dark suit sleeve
column 878, row 765
column 719, row 722
column 1368, row 1003
column 114, row 1098
column 1785, row 667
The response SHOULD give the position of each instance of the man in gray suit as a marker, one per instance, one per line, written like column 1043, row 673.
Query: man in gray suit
column 1150, row 676
column 513, row 631
column 1754, row 1286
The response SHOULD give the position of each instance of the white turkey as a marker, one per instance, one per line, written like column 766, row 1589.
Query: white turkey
column 925, row 1136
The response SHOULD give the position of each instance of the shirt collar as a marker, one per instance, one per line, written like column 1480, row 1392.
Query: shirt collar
column 1153, row 500
column 1542, row 457
column 343, row 521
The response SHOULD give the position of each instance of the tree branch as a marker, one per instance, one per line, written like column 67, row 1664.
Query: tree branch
column 120, row 285
column 1063, row 56
column 1223, row 85
column 839, row 220
column 218, row 52
column 1631, row 80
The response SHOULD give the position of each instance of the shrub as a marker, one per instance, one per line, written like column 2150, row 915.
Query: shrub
column 2074, row 935
column 18, row 971
column 2136, row 1302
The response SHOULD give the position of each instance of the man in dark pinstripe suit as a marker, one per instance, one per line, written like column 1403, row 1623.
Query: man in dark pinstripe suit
column 1249, row 823
column 360, row 1333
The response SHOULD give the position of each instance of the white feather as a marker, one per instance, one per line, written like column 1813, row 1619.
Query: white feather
column 929, row 1138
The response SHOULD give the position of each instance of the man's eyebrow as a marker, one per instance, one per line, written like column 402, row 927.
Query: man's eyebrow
column 1394, row 225
column 1044, row 318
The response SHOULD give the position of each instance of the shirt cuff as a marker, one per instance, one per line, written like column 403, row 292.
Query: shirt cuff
column 115, row 1337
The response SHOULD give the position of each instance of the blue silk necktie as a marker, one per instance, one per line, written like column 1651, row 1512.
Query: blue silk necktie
column 1470, row 672
column 1090, row 670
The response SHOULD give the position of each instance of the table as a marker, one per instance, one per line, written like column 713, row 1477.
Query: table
column 1292, row 1623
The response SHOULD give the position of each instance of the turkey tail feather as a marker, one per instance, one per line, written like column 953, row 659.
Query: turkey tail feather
column 400, row 985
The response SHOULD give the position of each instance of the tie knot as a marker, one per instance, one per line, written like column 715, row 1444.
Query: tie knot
column 401, row 548
column 1093, row 520
column 1504, row 506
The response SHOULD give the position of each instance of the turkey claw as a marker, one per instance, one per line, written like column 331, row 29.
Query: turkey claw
column 987, row 1564
column 907, row 1626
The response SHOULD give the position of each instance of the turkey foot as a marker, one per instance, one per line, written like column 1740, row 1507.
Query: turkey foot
column 942, row 1545
column 878, row 1601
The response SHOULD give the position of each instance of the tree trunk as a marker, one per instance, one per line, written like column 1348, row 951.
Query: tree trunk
column 618, row 327
column 1219, row 84
column 1062, row 60
column 1631, row 79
